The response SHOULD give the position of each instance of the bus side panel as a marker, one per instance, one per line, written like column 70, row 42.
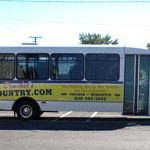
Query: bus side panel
column 6, row 105
column 64, row 96
column 81, row 106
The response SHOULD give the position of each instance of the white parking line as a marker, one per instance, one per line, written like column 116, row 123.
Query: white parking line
column 92, row 116
column 64, row 115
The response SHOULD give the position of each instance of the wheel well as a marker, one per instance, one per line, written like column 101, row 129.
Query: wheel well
column 25, row 99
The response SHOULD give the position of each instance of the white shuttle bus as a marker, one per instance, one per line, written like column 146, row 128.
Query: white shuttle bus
column 36, row 79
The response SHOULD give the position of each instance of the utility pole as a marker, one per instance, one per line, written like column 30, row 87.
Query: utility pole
column 35, row 39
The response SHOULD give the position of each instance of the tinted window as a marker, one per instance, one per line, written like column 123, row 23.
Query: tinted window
column 67, row 66
column 102, row 67
column 129, row 84
column 7, row 66
column 32, row 66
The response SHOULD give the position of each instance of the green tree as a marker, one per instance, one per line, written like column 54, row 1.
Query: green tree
column 96, row 39
column 148, row 45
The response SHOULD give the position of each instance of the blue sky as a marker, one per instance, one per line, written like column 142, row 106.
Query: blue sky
column 61, row 23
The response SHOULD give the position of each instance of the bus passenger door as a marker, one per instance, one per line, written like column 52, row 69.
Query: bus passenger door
column 143, row 85
column 136, row 84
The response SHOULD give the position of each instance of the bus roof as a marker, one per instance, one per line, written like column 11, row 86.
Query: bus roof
column 73, row 49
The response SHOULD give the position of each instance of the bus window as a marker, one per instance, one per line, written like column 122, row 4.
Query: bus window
column 32, row 66
column 104, row 67
column 67, row 67
column 7, row 66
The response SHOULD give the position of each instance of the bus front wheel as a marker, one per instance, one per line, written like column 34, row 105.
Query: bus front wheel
column 26, row 110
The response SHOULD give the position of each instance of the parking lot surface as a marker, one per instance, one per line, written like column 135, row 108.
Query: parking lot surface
column 75, row 131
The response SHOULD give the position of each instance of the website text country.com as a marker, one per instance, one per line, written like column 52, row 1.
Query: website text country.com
column 26, row 92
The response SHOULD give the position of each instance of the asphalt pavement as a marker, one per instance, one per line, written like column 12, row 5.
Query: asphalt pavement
column 75, row 131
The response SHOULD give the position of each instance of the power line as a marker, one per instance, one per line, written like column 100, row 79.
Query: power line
column 78, row 1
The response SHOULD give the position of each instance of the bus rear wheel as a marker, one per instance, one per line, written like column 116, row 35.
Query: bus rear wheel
column 26, row 110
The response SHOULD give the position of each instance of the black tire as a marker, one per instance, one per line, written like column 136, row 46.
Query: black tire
column 26, row 110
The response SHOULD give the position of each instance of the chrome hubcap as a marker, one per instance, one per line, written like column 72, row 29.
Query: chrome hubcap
column 26, row 111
